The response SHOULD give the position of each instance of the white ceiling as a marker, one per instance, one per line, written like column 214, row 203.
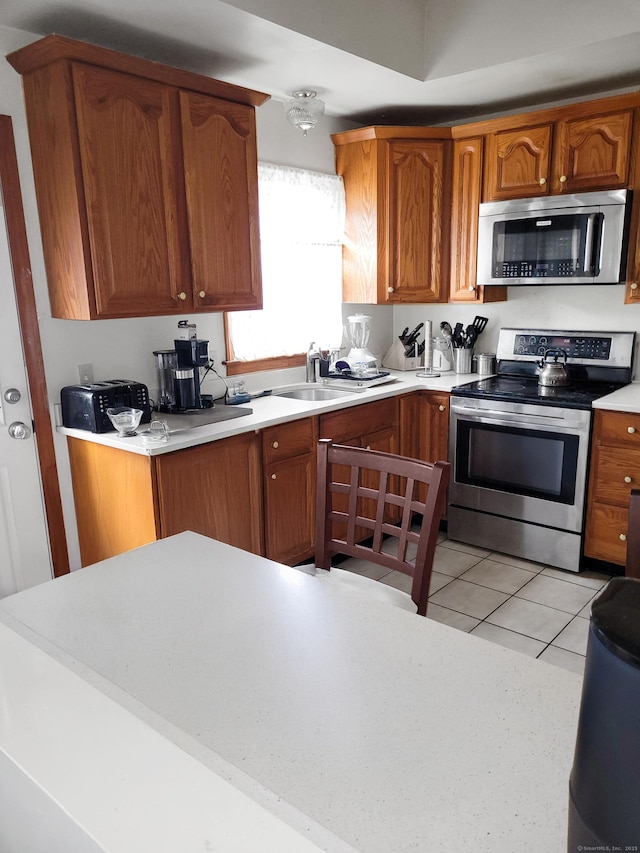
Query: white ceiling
column 372, row 61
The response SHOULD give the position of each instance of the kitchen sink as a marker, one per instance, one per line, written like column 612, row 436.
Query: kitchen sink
column 312, row 393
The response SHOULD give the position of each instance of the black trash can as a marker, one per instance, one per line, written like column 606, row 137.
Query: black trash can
column 604, row 787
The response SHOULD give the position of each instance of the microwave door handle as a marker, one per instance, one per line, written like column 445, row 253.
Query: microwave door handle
column 589, row 253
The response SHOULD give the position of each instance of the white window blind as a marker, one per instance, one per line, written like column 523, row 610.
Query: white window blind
column 301, row 228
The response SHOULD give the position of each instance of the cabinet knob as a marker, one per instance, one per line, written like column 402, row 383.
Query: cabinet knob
column 633, row 285
column 563, row 179
column 441, row 408
column 627, row 479
column 201, row 294
column 275, row 445
column 623, row 537
column 389, row 290
column 631, row 430
column 542, row 181
column 182, row 295
column 471, row 287
column 368, row 447
column 274, row 477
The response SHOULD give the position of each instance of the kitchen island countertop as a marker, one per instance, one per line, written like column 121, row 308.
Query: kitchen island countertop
column 191, row 696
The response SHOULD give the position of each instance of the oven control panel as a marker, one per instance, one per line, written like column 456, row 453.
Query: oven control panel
column 603, row 349
column 575, row 346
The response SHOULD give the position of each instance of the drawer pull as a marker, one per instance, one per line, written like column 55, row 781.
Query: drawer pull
column 201, row 294
column 441, row 408
column 563, row 179
column 273, row 477
column 623, row 537
column 633, row 285
column 182, row 295
column 542, row 181
column 275, row 445
column 627, row 479
column 631, row 430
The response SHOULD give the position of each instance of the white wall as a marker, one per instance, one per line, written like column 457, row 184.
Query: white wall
column 123, row 348
column 596, row 308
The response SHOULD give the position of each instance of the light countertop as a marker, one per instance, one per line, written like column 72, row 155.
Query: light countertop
column 191, row 696
column 627, row 399
column 271, row 410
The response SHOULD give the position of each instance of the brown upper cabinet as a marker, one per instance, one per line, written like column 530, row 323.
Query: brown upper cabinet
column 465, row 201
column 397, row 189
column 146, row 181
column 578, row 153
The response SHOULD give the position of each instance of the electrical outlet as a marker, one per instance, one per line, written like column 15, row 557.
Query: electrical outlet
column 85, row 373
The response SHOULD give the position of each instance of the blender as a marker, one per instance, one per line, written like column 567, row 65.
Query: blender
column 358, row 329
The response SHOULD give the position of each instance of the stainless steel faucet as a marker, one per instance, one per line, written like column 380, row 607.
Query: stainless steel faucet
column 313, row 357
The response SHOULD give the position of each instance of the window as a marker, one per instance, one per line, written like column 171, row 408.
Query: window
column 301, row 226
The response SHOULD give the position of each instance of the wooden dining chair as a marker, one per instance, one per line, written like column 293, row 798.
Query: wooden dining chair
column 367, row 499
column 632, row 563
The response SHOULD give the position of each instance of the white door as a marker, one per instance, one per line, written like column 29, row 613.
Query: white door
column 24, row 546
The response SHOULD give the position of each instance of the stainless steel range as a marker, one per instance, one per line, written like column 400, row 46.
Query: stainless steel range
column 519, row 449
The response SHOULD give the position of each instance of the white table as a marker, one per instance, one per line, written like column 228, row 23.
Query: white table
column 188, row 691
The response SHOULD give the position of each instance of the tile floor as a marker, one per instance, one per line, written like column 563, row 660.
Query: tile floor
column 540, row 611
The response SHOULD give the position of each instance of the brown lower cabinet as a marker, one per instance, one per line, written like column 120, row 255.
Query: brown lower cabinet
column 614, row 471
column 124, row 500
column 425, row 425
column 255, row 490
column 289, row 458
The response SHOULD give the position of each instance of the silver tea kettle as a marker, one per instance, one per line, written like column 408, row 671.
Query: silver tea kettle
column 553, row 373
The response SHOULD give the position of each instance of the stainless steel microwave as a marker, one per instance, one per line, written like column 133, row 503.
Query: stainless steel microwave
column 566, row 239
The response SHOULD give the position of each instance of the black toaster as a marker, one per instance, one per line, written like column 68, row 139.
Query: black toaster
column 85, row 406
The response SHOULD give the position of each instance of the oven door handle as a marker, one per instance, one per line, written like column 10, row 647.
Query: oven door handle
column 510, row 418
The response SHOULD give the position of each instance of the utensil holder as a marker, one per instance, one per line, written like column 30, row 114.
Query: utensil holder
column 462, row 357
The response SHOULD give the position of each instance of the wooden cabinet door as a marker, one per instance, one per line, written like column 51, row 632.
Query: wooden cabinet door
column 114, row 494
column 363, row 277
column 133, row 195
column 221, row 177
column 214, row 489
column 417, row 236
column 435, row 426
column 289, row 455
column 290, row 497
column 593, row 153
column 466, row 197
column 518, row 163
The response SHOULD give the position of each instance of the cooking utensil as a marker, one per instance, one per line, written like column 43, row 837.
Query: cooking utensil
column 479, row 323
column 552, row 373
column 457, row 336
column 471, row 336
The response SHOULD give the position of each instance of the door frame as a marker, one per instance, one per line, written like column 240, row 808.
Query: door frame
column 31, row 345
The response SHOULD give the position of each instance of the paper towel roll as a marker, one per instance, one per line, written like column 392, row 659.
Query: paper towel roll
column 428, row 344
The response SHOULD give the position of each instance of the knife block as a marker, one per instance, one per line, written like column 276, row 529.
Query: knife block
column 395, row 359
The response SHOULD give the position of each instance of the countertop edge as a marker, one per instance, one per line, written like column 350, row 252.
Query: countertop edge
column 272, row 410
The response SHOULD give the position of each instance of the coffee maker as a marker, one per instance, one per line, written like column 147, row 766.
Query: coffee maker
column 179, row 372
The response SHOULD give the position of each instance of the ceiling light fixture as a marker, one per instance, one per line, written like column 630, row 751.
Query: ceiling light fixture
column 304, row 109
